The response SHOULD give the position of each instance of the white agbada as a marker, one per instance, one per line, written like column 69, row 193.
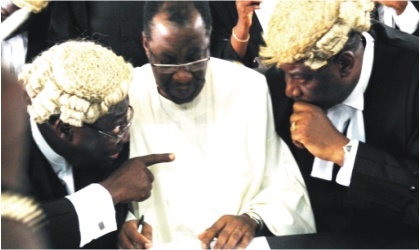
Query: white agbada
column 229, row 159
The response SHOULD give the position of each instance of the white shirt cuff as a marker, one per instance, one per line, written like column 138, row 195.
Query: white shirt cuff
column 408, row 21
column 95, row 211
column 345, row 172
column 130, row 216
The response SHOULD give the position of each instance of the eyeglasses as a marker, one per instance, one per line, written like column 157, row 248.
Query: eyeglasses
column 172, row 68
column 119, row 131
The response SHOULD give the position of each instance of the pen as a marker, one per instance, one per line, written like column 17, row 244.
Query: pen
column 140, row 226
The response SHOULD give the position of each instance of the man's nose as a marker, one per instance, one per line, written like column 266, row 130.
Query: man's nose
column 292, row 89
column 182, row 75
column 126, row 137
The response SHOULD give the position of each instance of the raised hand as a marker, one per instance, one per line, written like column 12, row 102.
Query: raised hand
column 245, row 11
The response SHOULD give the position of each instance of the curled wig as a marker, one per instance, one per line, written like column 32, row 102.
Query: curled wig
column 77, row 80
column 313, row 31
column 34, row 6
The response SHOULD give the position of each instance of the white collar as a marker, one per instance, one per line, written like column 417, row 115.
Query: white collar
column 57, row 162
column 356, row 98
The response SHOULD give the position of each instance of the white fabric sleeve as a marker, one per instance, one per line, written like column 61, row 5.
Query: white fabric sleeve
column 345, row 172
column 95, row 211
column 282, row 201
column 408, row 21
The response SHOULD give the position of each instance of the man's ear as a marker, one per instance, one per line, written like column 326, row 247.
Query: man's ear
column 63, row 130
column 146, row 48
column 346, row 61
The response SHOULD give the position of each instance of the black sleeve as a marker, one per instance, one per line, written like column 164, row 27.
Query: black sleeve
column 63, row 224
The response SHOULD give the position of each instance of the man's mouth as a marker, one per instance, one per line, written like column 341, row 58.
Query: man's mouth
column 183, row 93
column 114, row 156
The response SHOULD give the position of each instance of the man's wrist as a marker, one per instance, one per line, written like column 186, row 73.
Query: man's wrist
column 260, row 224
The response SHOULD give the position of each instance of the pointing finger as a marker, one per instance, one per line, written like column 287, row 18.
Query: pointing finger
column 152, row 159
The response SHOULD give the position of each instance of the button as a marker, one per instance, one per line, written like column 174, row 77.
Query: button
column 412, row 189
column 124, row 38
column 124, row 19
column 416, row 173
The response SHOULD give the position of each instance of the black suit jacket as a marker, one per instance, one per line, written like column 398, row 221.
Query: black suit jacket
column 117, row 25
column 225, row 17
column 63, row 225
column 383, row 195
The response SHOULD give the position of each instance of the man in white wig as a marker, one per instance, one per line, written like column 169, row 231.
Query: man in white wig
column 80, row 119
column 345, row 95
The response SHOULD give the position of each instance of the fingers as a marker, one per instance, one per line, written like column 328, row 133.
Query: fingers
column 149, row 160
column 125, row 236
column 129, row 238
column 148, row 234
column 242, row 242
column 207, row 236
column 303, row 106
column 231, row 232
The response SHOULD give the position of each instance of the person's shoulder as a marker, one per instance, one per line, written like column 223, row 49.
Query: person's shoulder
column 234, row 77
column 233, row 70
column 394, row 38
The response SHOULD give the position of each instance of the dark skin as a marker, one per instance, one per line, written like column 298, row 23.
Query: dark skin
column 85, row 148
column 315, row 91
column 245, row 12
column 172, row 44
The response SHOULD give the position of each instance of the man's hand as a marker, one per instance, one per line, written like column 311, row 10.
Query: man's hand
column 231, row 232
column 399, row 6
column 314, row 131
column 133, row 180
column 129, row 238
column 7, row 9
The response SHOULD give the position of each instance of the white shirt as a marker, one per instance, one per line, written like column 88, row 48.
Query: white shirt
column 350, row 110
column 407, row 21
column 228, row 157
column 93, row 204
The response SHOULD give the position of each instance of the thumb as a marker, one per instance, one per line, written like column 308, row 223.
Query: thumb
column 147, row 231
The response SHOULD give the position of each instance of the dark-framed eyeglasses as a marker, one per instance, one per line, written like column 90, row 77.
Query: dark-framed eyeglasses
column 119, row 131
column 172, row 68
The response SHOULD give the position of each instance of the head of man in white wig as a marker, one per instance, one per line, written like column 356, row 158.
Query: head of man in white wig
column 78, row 101
column 319, row 46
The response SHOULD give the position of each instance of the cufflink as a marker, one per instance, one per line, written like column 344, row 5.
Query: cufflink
column 101, row 225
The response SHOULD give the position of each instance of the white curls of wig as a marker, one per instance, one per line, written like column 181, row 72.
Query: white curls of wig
column 77, row 80
column 312, row 30
column 34, row 6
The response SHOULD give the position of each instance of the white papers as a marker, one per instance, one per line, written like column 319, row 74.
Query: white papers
column 258, row 243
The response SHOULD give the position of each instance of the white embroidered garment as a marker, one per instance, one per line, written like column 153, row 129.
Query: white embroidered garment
column 350, row 113
column 229, row 159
